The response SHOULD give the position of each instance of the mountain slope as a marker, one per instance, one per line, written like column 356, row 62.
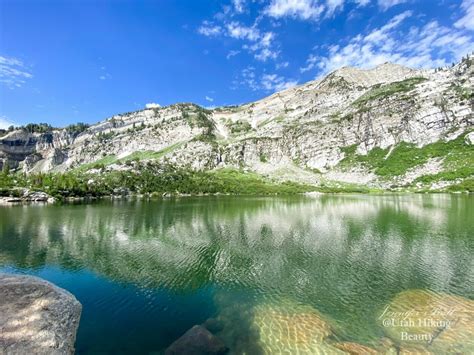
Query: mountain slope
column 386, row 127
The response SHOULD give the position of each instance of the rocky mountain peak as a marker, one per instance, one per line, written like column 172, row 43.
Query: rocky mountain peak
column 381, row 74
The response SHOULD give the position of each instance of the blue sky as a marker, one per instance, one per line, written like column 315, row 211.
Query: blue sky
column 68, row 61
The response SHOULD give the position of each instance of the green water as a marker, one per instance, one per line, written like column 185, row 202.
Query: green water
column 147, row 271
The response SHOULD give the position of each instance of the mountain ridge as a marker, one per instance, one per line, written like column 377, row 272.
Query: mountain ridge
column 324, row 131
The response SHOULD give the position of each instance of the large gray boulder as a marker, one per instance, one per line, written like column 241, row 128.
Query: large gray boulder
column 36, row 317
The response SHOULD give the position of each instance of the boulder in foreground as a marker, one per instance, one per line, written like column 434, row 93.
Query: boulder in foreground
column 36, row 317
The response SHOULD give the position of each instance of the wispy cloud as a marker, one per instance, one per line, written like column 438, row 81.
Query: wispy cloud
column 256, row 42
column 6, row 122
column 238, row 31
column 386, row 4
column 262, row 48
column 208, row 29
column 232, row 53
column 332, row 6
column 210, row 99
column 265, row 82
column 310, row 63
column 274, row 82
column 105, row 76
column 239, row 5
column 13, row 72
column 282, row 65
column 362, row 2
column 425, row 46
column 467, row 21
column 298, row 9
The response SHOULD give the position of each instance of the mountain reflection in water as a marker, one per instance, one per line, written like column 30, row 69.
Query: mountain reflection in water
column 146, row 271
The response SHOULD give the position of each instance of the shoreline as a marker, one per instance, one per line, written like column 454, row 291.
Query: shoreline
column 50, row 200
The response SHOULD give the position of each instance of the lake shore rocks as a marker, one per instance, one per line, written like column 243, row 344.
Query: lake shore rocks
column 26, row 195
column 36, row 317
column 423, row 321
column 197, row 341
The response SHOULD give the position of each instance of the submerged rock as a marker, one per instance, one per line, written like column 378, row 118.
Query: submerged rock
column 355, row 348
column 36, row 317
column 422, row 321
column 214, row 325
column 289, row 327
column 197, row 341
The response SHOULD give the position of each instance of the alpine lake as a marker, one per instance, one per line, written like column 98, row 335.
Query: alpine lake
column 321, row 274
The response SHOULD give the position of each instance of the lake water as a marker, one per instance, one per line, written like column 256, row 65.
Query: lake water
column 147, row 271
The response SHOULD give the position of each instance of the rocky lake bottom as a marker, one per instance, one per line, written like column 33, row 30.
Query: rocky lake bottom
column 323, row 274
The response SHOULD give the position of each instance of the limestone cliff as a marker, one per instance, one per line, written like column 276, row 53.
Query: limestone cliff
column 325, row 130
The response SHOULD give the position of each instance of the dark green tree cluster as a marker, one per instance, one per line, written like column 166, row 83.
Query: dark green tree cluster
column 37, row 128
column 77, row 128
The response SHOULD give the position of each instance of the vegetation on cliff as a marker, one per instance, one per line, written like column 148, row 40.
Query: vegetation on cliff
column 147, row 178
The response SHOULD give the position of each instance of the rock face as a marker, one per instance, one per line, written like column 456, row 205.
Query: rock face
column 287, row 134
column 197, row 341
column 36, row 317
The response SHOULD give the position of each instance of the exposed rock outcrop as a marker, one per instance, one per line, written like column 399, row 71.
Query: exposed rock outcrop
column 26, row 195
column 36, row 317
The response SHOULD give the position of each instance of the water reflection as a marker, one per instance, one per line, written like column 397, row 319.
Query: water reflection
column 345, row 255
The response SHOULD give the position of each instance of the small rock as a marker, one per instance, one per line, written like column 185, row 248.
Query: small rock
column 121, row 191
column 197, row 341
column 469, row 139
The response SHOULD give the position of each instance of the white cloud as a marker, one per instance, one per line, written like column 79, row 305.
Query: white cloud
column 249, row 78
column 424, row 46
column 266, row 82
column 333, row 5
column 264, row 53
column 386, row 4
column 467, row 21
column 238, row 31
column 274, row 82
column 13, row 72
column 282, row 65
column 152, row 105
column 238, row 5
column 210, row 99
column 209, row 30
column 310, row 63
column 262, row 47
column 232, row 53
column 258, row 43
column 5, row 122
column 298, row 9
column 362, row 2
